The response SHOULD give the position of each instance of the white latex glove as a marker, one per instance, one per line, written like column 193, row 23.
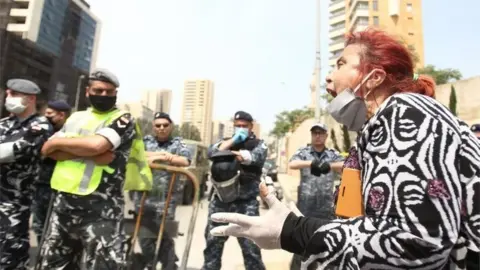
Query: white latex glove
column 263, row 230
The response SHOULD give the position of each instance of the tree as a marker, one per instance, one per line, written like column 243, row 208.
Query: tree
column 346, row 139
column 334, row 140
column 413, row 54
column 189, row 132
column 289, row 120
column 452, row 104
column 146, row 126
column 441, row 76
column 176, row 131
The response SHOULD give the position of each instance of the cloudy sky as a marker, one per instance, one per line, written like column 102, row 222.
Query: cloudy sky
column 260, row 53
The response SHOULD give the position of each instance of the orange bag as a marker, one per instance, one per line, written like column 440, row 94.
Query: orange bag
column 349, row 202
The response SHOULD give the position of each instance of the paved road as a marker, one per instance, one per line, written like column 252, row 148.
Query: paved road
column 274, row 260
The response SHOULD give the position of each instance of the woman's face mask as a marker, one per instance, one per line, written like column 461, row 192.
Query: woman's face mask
column 349, row 109
column 15, row 105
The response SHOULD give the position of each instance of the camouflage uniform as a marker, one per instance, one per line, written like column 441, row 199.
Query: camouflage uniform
column 247, row 204
column 41, row 196
column 315, row 193
column 17, row 175
column 91, row 224
column 154, row 204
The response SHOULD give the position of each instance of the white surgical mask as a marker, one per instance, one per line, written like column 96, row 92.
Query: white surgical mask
column 15, row 105
column 349, row 109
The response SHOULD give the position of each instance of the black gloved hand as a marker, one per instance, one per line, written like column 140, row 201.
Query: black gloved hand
column 318, row 168
column 33, row 132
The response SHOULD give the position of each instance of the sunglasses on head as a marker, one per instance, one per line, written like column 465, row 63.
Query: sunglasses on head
column 162, row 125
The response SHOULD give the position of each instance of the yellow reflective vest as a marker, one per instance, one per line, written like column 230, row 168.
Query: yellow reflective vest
column 82, row 176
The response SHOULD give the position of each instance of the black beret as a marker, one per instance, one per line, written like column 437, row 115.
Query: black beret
column 104, row 75
column 59, row 105
column 241, row 115
column 162, row 115
column 23, row 86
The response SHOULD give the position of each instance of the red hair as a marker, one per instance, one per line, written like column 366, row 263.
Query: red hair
column 383, row 51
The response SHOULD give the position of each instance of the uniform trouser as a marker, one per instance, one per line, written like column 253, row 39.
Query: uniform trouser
column 14, row 238
column 166, row 253
column 40, row 203
column 76, row 240
column 252, row 256
column 310, row 206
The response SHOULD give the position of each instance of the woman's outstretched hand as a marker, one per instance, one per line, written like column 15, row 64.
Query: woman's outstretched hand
column 263, row 230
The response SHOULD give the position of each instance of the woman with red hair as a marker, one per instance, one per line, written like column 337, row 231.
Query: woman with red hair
column 420, row 173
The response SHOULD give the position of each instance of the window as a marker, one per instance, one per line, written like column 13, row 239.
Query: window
column 375, row 20
column 409, row 7
column 375, row 5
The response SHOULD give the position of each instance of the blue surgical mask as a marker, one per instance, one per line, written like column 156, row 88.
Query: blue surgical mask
column 241, row 128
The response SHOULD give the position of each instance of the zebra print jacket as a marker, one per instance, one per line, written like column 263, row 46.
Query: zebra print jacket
column 421, row 195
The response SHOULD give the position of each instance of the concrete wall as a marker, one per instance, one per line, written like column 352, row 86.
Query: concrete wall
column 468, row 99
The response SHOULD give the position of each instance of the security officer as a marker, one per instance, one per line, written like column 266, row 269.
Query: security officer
column 476, row 129
column 161, row 147
column 251, row 152
column 57, row 113
column 315, row 192
column 22, row 135
column 94, row 157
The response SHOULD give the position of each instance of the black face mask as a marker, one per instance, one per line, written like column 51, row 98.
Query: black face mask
column 102, row 103
column 50, row 119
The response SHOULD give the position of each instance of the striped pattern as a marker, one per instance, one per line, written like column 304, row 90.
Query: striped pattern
column 421, row 186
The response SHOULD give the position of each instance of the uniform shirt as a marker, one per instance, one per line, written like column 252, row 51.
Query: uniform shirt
column 421, row 193
column 315, row 193
column 256, row 157
column 20, row 144
column 107, row 200
column 161, row 179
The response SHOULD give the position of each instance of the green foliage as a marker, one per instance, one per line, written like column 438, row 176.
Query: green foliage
column 334, row 140
column 146, row 126
column 289, row 120
column 452, row 104
column 346, row 139
column 441, row 76
column 189, row 132
column 176, row 131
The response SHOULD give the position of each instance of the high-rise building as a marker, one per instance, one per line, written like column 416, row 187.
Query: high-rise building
column 257, row 129
column 158, row 100
column 51, row 42
column 138, row 110
column 402, row 18
column 46, row 21
column 218, row 131
column 197, row 106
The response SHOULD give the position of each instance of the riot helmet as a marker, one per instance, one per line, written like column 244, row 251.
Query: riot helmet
column 225, row 171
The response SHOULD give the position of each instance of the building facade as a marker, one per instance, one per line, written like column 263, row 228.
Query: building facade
column 158, row 100
column 400, row 17
column 52, row 42
column 197, row 106
column 138, row 110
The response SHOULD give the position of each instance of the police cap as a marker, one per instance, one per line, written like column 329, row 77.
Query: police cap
column 162, row 115
column 475, row 128
column 23, row 86
column 319, row 126
column 104, row 75
column 241, row 115
column 59, row 105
